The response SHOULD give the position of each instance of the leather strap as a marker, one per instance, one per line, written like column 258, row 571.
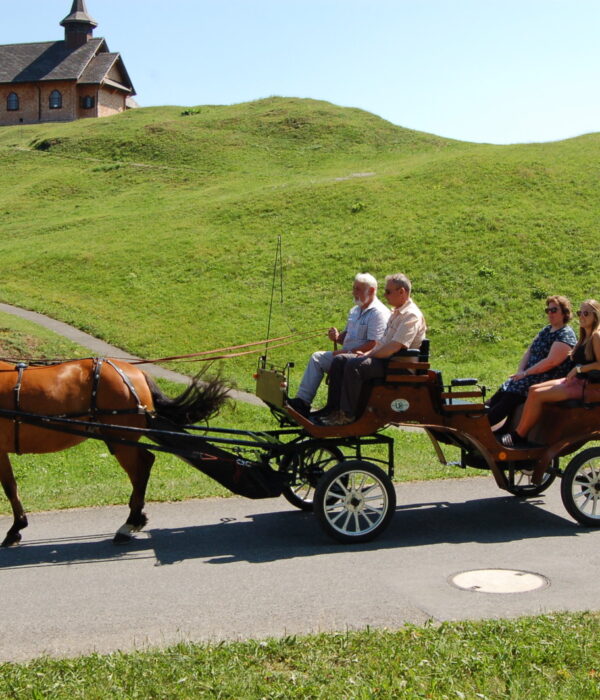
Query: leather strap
column 20, row 368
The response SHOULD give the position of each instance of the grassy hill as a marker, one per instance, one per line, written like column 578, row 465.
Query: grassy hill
column 157, row 229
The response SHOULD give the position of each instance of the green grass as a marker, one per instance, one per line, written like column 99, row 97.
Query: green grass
column 552, row 656
column 157, row 231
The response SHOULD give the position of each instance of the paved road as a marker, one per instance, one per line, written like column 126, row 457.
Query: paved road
column 233, row 568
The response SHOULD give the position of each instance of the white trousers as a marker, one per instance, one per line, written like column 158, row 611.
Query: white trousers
column 319, row 363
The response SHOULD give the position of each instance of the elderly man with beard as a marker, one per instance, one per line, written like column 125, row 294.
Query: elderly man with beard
column 406, row 328
column 365, row 325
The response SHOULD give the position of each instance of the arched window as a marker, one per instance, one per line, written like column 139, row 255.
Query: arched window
column 12, row 102
column 55, row 101
column 87, row 102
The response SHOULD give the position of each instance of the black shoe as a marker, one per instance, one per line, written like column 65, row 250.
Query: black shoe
column 516, row 442
column 300, row 406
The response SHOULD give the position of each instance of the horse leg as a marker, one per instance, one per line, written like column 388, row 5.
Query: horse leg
column 9, row 484
column 137, row 462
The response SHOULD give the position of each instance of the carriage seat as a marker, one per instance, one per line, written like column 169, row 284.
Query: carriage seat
column 577, row 403
column 420, row 354
column 593, row 377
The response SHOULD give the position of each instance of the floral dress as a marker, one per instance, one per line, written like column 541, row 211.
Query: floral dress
column 540, row 349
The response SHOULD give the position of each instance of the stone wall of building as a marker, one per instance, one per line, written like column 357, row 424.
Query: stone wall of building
column 28, row 112
column 34, row 103
column 86, row 95
column 110, row 102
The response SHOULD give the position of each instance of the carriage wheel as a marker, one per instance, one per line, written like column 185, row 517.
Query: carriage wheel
column 520, row 483
column 580, row 488
column 355, row 501
column 313, row 460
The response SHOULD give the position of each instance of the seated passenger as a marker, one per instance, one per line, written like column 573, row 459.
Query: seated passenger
column 546, row 358
column 405, row 329
column 584, row 358
column 365, row 325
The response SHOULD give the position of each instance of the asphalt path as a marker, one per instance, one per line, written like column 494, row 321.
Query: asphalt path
column 221, row 569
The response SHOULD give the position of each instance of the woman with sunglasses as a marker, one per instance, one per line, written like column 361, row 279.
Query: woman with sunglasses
column 546, row 358
column 585, row 358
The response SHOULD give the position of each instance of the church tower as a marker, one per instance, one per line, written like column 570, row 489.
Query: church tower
column 79, row 26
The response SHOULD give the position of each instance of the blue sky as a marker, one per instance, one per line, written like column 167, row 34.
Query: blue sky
column 496, row 71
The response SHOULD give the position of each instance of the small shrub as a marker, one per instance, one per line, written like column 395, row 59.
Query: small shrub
column 485, row 272
column 357, row 207
column 46, row 144
column 538, row 293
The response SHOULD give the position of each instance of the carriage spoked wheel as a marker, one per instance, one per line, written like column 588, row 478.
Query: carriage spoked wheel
column 520, row 482
column 355, row 501
column 580, row 488
column 313, row 459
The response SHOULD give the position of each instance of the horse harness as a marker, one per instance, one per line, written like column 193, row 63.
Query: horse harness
column 94, row 412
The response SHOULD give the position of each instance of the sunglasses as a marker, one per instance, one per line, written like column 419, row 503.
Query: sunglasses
column 390, row 291
column 551, row 309
column 585, row 313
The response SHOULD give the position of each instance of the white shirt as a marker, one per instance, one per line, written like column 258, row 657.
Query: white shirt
column 365, row 324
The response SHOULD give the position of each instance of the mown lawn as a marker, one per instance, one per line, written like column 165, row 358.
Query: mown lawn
column 551, row 656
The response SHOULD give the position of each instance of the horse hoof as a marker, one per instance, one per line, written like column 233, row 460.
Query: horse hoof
column 12, row 541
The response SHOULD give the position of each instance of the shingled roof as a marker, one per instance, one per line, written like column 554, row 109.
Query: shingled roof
column 53, row 60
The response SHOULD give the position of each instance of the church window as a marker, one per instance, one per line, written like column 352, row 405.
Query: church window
column 55, row 101
column 87, row 102
column 12, row 102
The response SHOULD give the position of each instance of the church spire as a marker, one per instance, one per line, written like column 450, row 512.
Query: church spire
column 79, row 26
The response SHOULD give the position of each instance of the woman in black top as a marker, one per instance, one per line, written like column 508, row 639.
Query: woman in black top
column 585, row 358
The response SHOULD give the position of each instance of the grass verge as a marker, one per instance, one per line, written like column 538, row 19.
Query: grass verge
column 551, row 656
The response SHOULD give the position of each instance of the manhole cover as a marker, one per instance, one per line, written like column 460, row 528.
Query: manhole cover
column 499, row 581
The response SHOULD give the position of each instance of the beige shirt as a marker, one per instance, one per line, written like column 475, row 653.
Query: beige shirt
column 406, row 325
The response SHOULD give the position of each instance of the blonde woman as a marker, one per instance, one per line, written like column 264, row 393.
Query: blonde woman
column 585, row 358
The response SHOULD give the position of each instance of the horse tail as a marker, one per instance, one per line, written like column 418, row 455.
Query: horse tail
column 200, row 400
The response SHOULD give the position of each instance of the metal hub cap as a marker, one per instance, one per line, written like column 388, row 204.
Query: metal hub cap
column 355, row 503
column 498, row 581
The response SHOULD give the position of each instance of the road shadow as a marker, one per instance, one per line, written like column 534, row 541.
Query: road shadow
column 272, row 536
column 265, row 537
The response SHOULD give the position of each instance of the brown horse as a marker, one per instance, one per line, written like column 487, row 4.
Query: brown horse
column 100, row 390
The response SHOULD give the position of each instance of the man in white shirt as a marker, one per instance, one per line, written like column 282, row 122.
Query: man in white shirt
column 365, row 325
column 406, row 328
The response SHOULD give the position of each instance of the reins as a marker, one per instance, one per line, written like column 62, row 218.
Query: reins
column 202, row 356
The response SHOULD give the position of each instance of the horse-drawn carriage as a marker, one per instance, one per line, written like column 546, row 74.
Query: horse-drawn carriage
column 354, row 500
column 316, row 467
